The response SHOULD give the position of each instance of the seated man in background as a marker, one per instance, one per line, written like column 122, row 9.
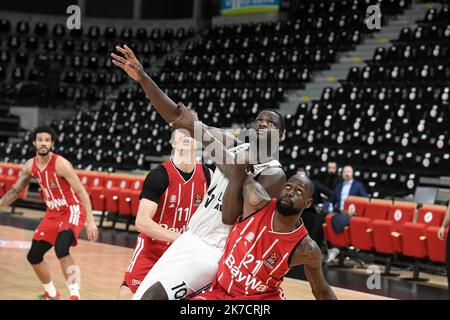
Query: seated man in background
column 348, row 187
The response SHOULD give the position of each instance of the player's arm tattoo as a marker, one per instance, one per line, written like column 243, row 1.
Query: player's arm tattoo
column 308, row 253
column 11, row 195
column 255, row 196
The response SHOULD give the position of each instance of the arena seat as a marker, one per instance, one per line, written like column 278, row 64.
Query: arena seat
column 435, row 246
column 415, row 237
column 356, row 205
column 361, row 227
column 387, row 233
column 341, row 239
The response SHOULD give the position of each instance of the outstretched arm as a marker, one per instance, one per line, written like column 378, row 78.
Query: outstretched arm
column 131, row 65
column 24, row 180
column 233, row 200
column 244, row 196
column 178, row 116
column 308, row 253
column 64, row 169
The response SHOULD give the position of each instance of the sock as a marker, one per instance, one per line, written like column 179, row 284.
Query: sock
column 50, row 289
column 74, row 289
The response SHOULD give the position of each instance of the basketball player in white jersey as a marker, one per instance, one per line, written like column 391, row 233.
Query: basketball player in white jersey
column 191, row 262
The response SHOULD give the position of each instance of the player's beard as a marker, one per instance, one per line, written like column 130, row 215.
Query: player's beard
column 43, row 153
column 286, row 209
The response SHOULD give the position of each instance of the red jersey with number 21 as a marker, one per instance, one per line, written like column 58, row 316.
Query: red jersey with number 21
column 256, row 258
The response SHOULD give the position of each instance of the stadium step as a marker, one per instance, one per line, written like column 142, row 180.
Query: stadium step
column 347, row 60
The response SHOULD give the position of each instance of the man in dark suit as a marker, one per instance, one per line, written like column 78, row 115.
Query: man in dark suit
column 348, row 187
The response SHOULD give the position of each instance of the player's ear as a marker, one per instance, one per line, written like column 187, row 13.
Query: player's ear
column 309, row 202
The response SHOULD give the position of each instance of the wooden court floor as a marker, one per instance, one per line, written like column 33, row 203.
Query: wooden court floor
column 102, row 268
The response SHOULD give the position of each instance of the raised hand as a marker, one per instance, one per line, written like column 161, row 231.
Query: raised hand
column 129, row 63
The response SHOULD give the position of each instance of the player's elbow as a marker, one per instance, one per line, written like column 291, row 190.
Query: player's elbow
column 139, row 224
column 325, row 293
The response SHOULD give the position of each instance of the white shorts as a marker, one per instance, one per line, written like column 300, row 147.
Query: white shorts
column 187, row 266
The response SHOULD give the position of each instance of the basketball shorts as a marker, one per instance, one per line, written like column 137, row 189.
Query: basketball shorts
column 144, row 257
column 53, row 223
column 189, row 265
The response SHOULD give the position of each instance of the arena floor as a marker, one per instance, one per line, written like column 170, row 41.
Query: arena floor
column 102, row 267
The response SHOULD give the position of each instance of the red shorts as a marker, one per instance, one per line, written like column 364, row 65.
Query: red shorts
column 216, row 292
column 53, row 223
column 146, row 253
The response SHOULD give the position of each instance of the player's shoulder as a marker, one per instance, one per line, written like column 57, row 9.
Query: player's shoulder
column 158, row 172
column 28, row 165
column 62, row 163
column 307, row 252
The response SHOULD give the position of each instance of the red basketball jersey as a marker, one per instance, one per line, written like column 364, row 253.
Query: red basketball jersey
column 181, row 198
column 256, row 258
column 57, row 193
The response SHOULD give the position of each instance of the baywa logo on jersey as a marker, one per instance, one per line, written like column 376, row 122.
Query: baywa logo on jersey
column 272, row 259
column 172, row 200
column 198, row 199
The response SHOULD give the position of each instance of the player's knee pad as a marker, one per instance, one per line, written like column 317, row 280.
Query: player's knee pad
column 37, row 251
column 63, row 243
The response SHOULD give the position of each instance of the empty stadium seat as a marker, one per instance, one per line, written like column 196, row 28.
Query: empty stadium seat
column 361, row 227
column 387, row 233
column 414, row 237
column 435, row 246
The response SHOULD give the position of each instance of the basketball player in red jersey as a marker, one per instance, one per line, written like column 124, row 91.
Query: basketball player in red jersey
column 170, row 196
column 268, row 239
column 68, row 209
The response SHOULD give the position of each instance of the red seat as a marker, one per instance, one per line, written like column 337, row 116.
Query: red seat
column 414, row 234
column 356, row 205
column 12, row 172
column 129, row 198
column 341, row 239
column 435, row 246
column 87, row 179
column 3, row 174
column 361, row 227
column 387, row 234
column 118, row 194
column 97, row 191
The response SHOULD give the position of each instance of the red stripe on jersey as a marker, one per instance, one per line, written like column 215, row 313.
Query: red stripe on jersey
column 255, row 258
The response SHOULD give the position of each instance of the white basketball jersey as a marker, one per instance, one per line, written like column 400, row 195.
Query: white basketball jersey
column 207, row 220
